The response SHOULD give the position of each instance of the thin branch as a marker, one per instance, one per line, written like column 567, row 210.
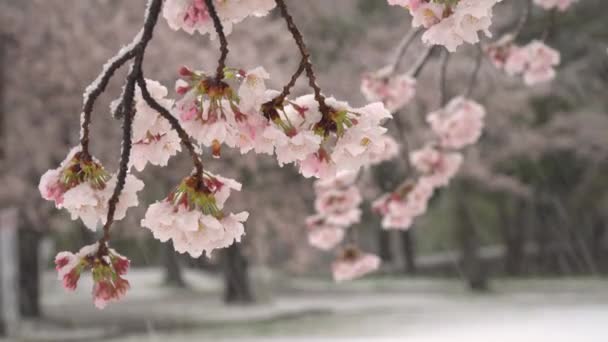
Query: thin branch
column 297, row 36
column 404, row 44
column 421, row 62
column 549, row 30
column 443, row 75
column 198, row 164
column 475, row 73
column 523, row 18
column 287, row 88
column 152, row 14
column 95, row 89
column 400, row 125
column 219, row 28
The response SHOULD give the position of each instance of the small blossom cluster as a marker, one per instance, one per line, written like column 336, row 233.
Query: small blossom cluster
column 535, row 61
column 337, row 204
column 450, row 23
column 193, row 15
column 215, row 114
column 83, row 187
column 320, row 144
column 455, row 126
column 394, row 91
column 154, row 141
column 352, row 263
column 561, row 5
column 192, row 217
column 107, row 269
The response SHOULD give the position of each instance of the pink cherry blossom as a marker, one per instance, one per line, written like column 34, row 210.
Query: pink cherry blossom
column 399, row 209
column 340, row 206
column 535, row 61
column 323, row 235
column 107, row 268
column 452, row 26
column 83, row 187
column 389, row 151
column 394, row 91
column 438, row 167
column 458, row 124
column 354, row 264
column 154, row 141
column 541, row 63
column 193, row 219
column 193, row 15
column 561, row 5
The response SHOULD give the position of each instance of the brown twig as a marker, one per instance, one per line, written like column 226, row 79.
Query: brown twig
column 198, row 164
column 279, row 99
column 297, row 36
column 219, row 29
column 404, row 44
column 523, row 18
column 99, row 86
column 421, row 62
column 475, row 72
column 443, row 75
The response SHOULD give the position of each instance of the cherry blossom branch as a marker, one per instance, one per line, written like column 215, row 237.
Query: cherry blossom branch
column 297, row 36
column 523, row 18
column 475, row 73
column 219, row 28
column 421, row 62
column 279, row 99
column 185, row 138
column 443, row 71
column 95, row 89
column 153, row 11
column 552, row 16
column 404, row 44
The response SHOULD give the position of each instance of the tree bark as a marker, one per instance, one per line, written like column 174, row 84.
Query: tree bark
column 513, row 233
column 173, row 269
column 472, row 266
column 384, row 245
column 29, row 272
column 407, row 242
column 237, row 287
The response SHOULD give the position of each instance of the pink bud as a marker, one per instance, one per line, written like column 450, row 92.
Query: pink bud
column 183, row 90
column 185, row 72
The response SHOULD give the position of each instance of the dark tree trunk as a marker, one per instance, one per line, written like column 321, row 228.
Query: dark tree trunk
column 472, row 266
column 598, row 234
column 384, row 245
column 29, row 273
column 237, row 288
column 173, row 269
column 407, row 242
column 513, row 232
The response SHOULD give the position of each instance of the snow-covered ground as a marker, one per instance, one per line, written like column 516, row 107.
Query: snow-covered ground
column 386, row 309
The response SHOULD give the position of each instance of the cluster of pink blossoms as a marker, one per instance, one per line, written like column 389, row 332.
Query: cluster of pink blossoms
column 192, row 217
column 344, row 139
column 193, row 15
column 352, row 263
column 394, row 91
column 83, row 187
column 561, row 5
column 448, row 24
column 106, row 268
column 337, row 205
column 535, row 61
column 457, row 125
column 154, row 141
